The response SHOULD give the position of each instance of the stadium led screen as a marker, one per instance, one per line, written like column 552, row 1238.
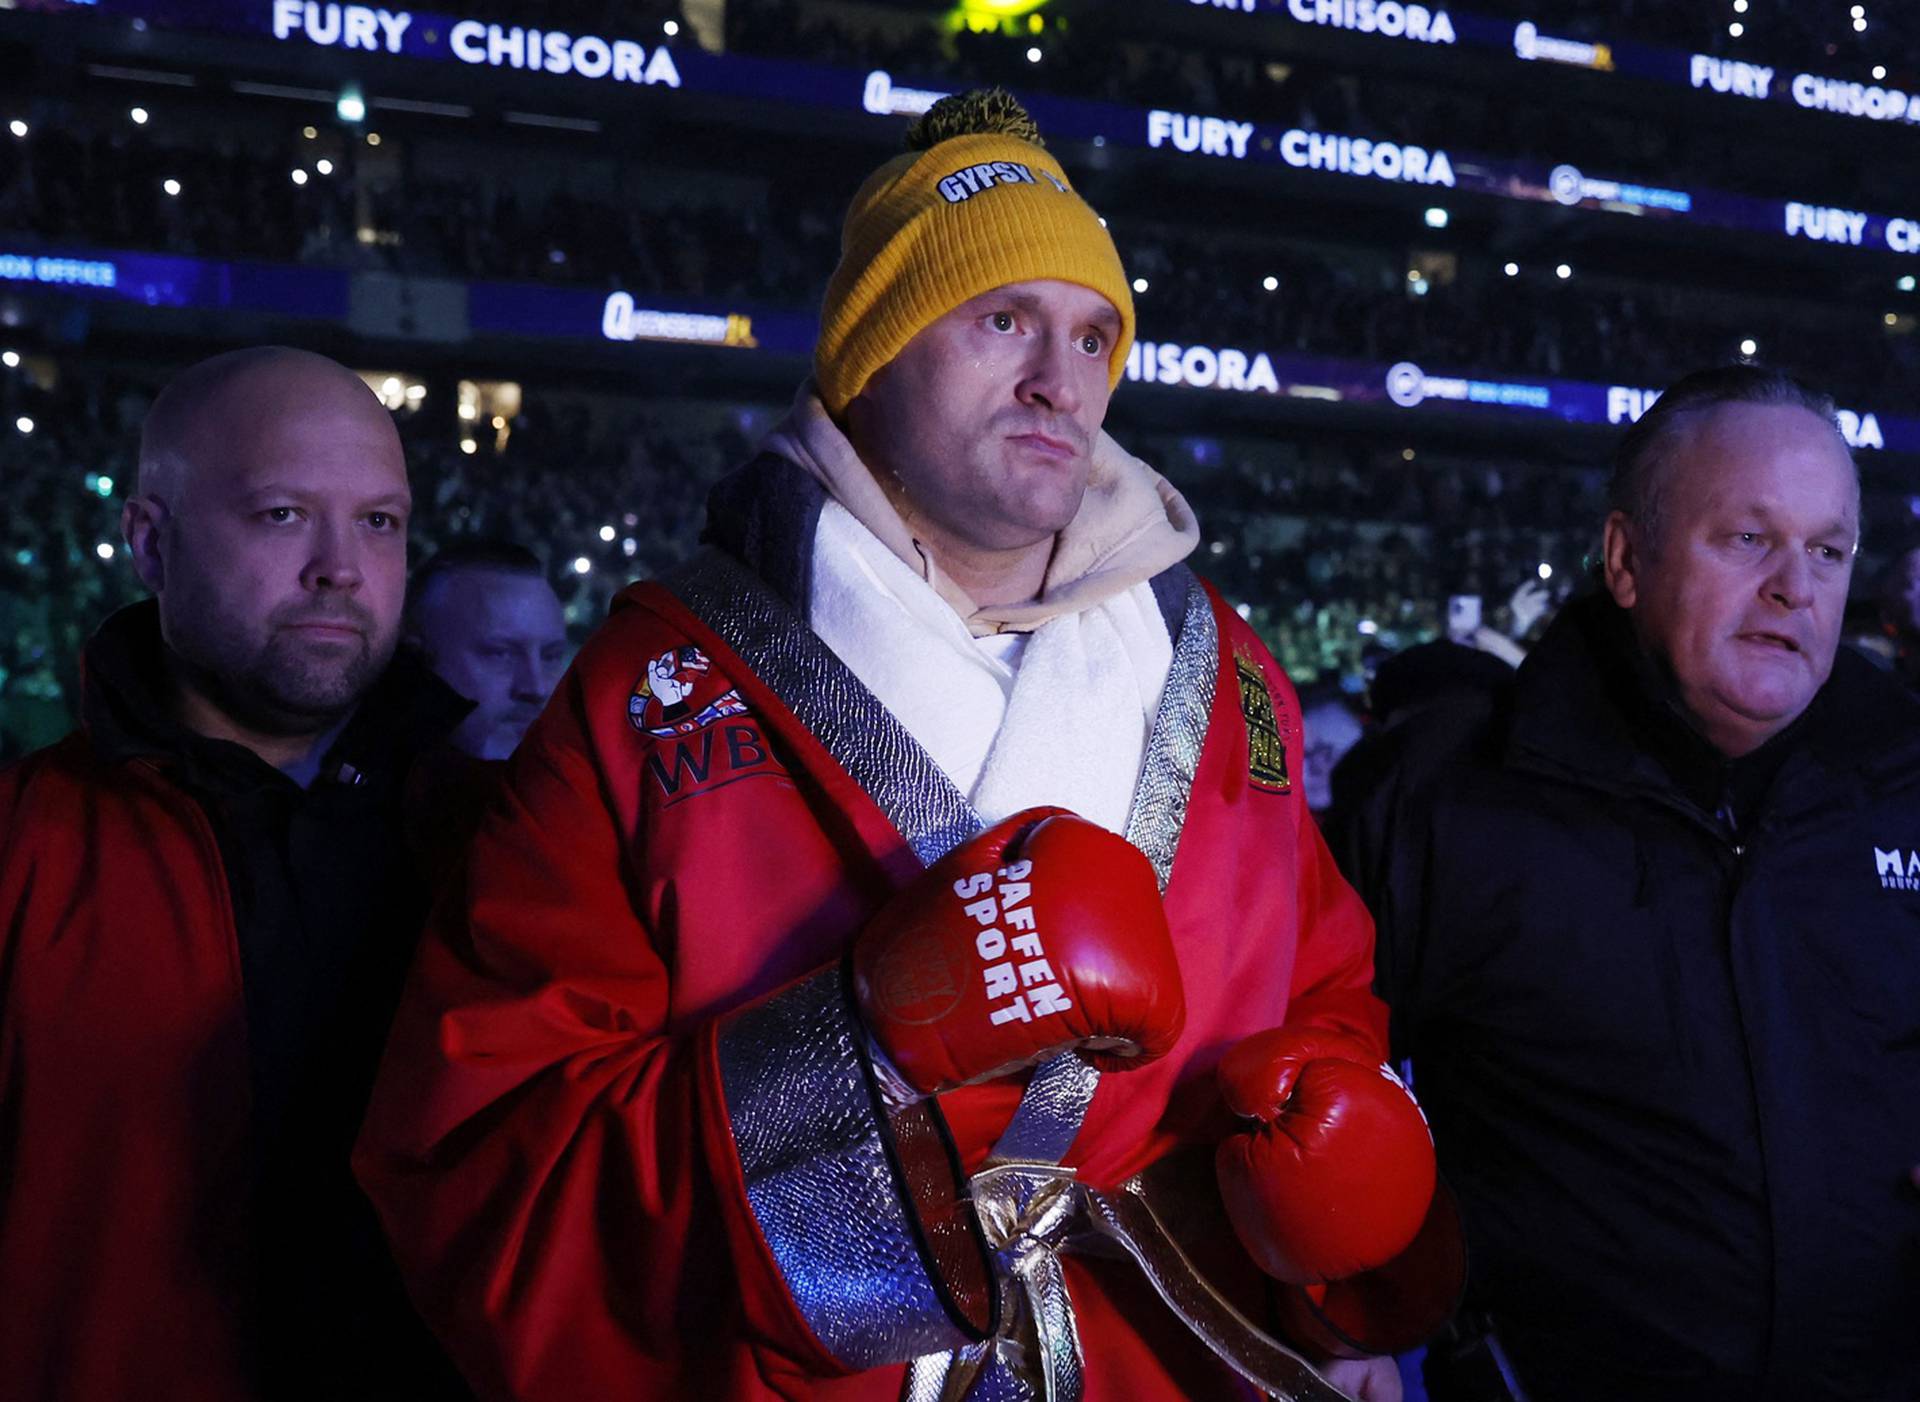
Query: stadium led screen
column 1197, row 135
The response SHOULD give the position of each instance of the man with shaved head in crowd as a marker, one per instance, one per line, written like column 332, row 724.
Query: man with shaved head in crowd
column 208, row 910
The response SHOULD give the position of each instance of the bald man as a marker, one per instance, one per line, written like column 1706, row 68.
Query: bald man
column 206, row 907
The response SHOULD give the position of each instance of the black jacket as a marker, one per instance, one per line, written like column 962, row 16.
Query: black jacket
column 1664, row 1014
column 329, row 896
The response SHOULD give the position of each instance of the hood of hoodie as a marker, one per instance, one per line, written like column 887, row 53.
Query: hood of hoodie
column 1131, row 525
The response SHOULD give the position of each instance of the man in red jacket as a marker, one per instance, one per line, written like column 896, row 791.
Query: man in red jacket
column 847, row 981
column 207, row 915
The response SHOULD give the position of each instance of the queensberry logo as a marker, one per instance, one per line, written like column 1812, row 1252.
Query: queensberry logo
column 885, row 98
column 1898, row 871
column 621, row 320
column 969, row 181
column 1533, row 46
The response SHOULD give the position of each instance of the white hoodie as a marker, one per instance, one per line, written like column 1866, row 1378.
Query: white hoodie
column 1047, row 701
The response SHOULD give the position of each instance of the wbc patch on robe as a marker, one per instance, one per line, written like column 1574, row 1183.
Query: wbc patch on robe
column 1266, row 747
column 710, row 739
column 679, row 693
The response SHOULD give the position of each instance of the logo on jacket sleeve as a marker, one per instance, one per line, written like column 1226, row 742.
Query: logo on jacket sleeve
column 679, row 694
column 1897, row 870
column 1266, row 747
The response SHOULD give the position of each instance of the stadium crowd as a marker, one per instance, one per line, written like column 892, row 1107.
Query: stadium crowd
column 1335, row 553
column 93, row 178
column 383, row 1018
column 1338, row 554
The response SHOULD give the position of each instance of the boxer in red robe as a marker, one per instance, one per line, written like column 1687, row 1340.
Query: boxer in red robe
column 837, row 999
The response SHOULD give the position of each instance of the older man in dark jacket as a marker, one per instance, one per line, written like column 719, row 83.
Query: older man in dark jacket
column 1648, row 923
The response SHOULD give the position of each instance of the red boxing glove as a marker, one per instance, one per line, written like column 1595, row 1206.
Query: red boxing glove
column 1336, row 1176
column 1045, row 932
column 1390, row 1310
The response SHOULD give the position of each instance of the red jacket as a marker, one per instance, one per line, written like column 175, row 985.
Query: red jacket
column 123, row 1088
column 130, row 1188
column 552, row 1144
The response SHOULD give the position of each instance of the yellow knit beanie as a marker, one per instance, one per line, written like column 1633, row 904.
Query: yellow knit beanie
column 975, row 203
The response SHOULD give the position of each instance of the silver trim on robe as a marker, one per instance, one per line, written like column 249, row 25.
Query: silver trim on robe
column 1037, row 1355
column 1057, row 1097
column 1037, row 1358
column 824, row 695
column 811, row 1151
column 1159, row 812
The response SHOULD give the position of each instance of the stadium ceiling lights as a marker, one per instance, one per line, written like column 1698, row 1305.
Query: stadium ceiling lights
column 350, row 106
column 1512, row 270
column 17, row 127
column 1564, row 271
column 139, row 116
column 1139, row 284
column 1437, row 218
column 1906, row 284
column 172, row 187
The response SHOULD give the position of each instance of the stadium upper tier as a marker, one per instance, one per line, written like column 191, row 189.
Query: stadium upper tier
column 1539, row 136
column 690, row 231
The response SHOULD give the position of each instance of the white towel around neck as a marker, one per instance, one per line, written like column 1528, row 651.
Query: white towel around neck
column 1063, row 720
